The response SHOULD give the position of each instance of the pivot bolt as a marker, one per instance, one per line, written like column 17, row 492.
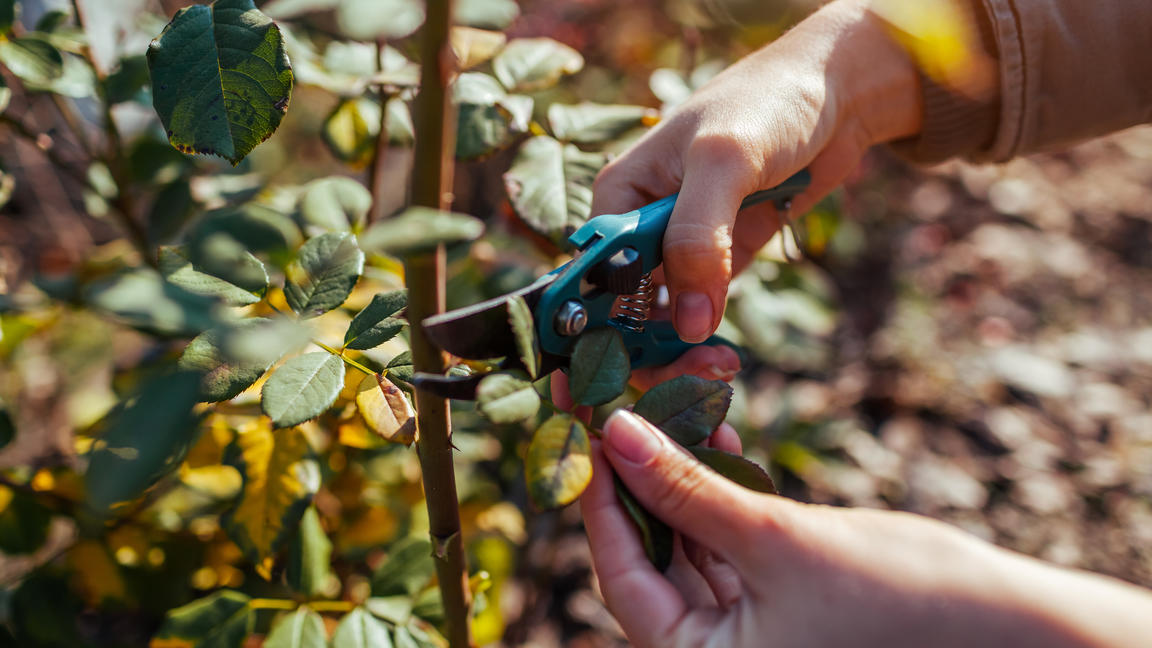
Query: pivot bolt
column 571, row 318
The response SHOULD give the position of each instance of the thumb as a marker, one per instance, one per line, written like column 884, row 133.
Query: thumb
column 698, row 240
column 687, row 495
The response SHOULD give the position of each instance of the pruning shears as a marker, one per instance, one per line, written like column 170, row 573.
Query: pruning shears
column 607, row 283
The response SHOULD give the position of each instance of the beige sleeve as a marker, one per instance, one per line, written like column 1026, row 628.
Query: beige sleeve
column 1068, row 70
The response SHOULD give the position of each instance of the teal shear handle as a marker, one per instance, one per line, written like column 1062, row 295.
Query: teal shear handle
column 616, row 255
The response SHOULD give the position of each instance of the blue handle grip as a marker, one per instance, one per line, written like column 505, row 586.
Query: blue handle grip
column 643, row 230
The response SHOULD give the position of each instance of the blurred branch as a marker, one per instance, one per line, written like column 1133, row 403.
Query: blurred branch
column 377, row 172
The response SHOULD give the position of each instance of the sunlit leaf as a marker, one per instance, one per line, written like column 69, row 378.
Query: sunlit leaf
column 375, row 324
column 32, row 59
column 222, row 620
column 216, row 481
column 280, row 477
column 600, row 367
column 223, row 378
column 371, row 20
column 487, row 116
column 686, row 408
column 143, row 441
column 592, row 123
column 386, row 410
column 309, row 565
column 420, row 229
column 559, row 463
column 550, row 185
column 300, row 629
column 475, row 46
column 657, row 537
column 221, row 80
column 407, row 570
column 302, row 388
column 5, row 99
column 335, row 204
column 77, row 79
column 282, row 9
column 351, row 128
column 262, row 341
column 535, row 63
column 504, row 398
column 486, row 14
column 178, row 269
column 736, row 468
column 324, row 273
column 359, row 629
column 524, row 328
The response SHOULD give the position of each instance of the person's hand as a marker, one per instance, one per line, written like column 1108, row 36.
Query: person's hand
column 817, row 97
column 760, row 570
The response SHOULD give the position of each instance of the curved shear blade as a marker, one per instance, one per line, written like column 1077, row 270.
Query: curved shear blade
column 482, row 330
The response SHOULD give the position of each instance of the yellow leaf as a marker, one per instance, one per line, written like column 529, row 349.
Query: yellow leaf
column 475, row 46
column 94, row 574
column 386, row 410
column 220, row 482
column 942, row 39
column 280, row 475
column 559, row 463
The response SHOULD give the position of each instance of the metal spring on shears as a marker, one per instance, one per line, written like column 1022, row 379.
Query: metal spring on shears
column 632, row 310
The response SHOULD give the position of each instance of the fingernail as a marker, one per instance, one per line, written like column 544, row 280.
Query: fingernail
column 630, row 437
column 693, row 316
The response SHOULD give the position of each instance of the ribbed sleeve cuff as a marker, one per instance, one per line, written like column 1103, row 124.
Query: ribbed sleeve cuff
column 954, row 124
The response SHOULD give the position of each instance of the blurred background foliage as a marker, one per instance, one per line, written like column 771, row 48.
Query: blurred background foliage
column 964, row 342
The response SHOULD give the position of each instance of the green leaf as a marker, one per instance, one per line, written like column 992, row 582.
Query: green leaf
column 386, row 410
column 145, row 300
column 178, row 269
column 486, row 14
column 408, row 569
column 487, row 116
column 223, row 378
column 524, row 327
column 351, row 128
column 600, row 367
column 736, row 468
column 128, row 80
column 7, row 15
column 528, row 64
column 300, row 629
column 324, row 274
column 281, row 475
column 77, row 80
column 335, row 204
column 421, row 229
column 657, row 537
column 221, row 80
column 504, row 398
column 359, row 629
column 222, row 620
column 23, row 523
column 375, row 324
column 5, row 99
column 550, row 185
column 32, row 59
column 170, row 211
column 400, row 369
column 592, row 123
column 302, row 388
column 686, row 408
column 143, row 441
column 256, row 228
column 559, row 462
column 372, row 20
